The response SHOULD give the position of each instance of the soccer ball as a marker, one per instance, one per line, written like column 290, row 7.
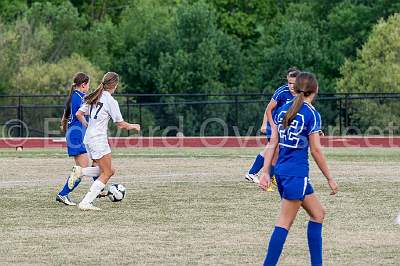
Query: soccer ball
column 116, row 192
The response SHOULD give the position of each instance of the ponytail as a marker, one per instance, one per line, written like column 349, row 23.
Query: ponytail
column 109, row 82
column 306, row 84
column 293, row 110
column 94, row 97
column 79, row 79
column 67, row 110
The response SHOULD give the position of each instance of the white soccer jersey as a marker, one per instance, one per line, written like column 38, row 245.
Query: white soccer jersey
column 99, row 115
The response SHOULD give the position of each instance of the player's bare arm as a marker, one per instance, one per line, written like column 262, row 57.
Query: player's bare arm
column 128, row 126
column 268, row 116
column 319, row 157
column 81, row 117
column 265, row 180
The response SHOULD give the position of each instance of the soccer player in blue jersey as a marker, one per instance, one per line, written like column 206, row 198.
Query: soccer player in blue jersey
column 282, row 95
column 298, row 127
column 75, row 132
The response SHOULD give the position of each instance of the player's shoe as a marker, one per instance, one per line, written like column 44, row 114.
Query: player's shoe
column 103, row 193
column 252, row 178
column 88, row 207
column 65, row 200
column 274, row 181
column 273, row 184
column 398, row 219
column 73, row 177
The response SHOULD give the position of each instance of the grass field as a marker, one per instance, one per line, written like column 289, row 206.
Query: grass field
column 191, row 206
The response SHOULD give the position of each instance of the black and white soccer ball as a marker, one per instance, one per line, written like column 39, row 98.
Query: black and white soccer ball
column 116, row 192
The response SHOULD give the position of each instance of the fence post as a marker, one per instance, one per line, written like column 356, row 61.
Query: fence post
column 237, row 110
column 346, row 106
column 19, row 117
column 140, row 115
column 128, row 111
column 340, row 116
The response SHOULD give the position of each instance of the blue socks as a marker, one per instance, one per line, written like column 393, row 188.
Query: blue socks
column 65, row 191
column 278, row 238
column 275, row 246
column 257, row 165
column 314, row 236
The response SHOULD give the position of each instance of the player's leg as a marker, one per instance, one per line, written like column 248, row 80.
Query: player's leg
column 81, row 160
column 78, row 171
column 288, row 212
column 106, row 171
column 255, row 168
column 316, row 211
column 272, row 169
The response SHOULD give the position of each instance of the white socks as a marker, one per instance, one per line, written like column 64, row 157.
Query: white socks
column 95, row 189
column 91, row 171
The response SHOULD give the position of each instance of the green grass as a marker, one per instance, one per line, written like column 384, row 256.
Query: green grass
column 190, row 206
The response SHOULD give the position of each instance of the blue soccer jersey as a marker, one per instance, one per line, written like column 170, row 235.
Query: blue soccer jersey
column 77, row 98
column 76, row 131
column 293, row 141
column 281, row 96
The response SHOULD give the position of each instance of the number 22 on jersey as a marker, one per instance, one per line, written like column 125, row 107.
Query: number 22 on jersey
column 290, row 137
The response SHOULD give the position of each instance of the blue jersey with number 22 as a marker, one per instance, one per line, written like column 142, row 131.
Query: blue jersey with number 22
column 293, row 141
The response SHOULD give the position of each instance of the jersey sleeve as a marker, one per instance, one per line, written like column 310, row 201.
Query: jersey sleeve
column 276, row 95
column 314, row 124
column 275, row 117
column 84, row 108
column 114, row 111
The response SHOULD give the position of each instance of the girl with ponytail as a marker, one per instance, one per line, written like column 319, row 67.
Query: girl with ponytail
column 298, row 127
column 75, row 132
column 100, row 106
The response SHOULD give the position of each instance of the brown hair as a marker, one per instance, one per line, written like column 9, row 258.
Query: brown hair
column 109, row 82
column 293, row 72
column 79, row 79
column 306, row 84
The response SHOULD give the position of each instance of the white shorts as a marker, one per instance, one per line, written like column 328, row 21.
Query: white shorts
column 96, row 150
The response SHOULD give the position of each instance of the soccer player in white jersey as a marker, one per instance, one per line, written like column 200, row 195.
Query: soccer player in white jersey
column 100, row 106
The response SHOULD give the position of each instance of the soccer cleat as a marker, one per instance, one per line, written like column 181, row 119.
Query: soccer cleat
column 103, row 193
column 273, row 184
column 252, row 178
column 398, row 219
column 274, row 181
column 88, row 207
column 73, row 177
column 65, row 200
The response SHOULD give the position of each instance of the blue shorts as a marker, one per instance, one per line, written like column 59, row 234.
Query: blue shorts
column 293, row 187
column 74, row 138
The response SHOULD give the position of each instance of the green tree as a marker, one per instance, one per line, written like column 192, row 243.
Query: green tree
column 21, row 45
column 244, row 19
column 10, row 10
column 376, row 69
column 65, row 23
column 144, row 34
column 53, row 78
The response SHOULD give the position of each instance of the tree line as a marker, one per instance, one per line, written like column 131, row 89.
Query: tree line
column 203, row 46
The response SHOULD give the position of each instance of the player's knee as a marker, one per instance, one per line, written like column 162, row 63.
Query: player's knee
column 320, row 215
column 109, row 172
